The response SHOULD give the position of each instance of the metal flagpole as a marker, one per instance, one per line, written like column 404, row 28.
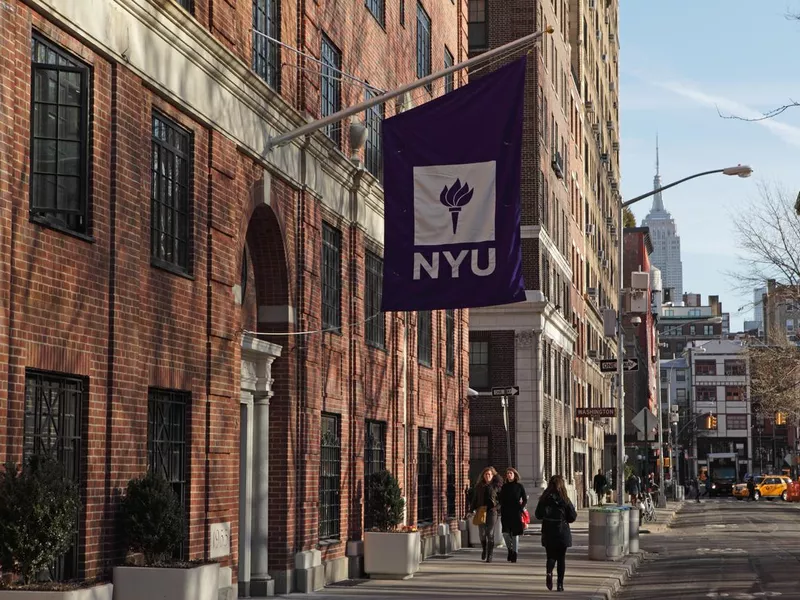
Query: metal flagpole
column 391, row 94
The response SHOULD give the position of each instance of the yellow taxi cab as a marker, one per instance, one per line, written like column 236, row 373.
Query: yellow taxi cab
column 766, row 486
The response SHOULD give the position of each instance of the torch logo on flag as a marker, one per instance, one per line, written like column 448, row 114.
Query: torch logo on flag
column 455, row 199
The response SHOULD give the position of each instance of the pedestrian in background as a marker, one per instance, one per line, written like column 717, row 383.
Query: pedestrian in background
column 485, row 506
column 634, row 487
column 599, row 484
column 751, row 488
column 512, row 502
column 556, row 512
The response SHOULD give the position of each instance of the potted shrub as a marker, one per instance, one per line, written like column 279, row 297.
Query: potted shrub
column 153, row 524
column 390, row 552
column 38, row 509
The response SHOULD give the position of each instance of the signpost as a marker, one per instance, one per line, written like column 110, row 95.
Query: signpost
column 504, row 393
column 610, row 366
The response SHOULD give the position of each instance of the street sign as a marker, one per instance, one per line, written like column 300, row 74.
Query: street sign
column 645, row 421
column 505, row 391
column 595, row 412
column 610, row 366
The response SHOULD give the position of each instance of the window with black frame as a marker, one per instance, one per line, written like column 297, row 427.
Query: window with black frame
column 425, row 476
column 375, row 327
column 451, row 474
column 378, row 10
column 330, row 90
column 266, row 50
column 476, row 22
column 373, row 147
column 169, row 194
column 424, row 337
column 330, row 469
column 331, row 277
column 374, row 459
column 450, row 340
column 188, row 5
column 449, row 80
column 423, row 44
column 479, row 365
column 53, row 426
column 59, row 177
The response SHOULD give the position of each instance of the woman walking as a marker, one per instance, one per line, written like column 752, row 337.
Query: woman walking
column 556, row 513
column 512, row 502
column 485, row 505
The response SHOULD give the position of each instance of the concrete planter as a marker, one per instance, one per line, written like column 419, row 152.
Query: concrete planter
column 391, row 555
column 154, row 583
column 103, row 591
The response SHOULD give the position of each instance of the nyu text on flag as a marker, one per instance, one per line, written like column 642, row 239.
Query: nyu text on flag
column 452, row 198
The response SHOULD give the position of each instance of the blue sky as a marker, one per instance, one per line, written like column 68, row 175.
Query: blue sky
column 679, row 60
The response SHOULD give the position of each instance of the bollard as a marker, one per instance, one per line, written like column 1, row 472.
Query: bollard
column 633, row 529
column 625, row 529
column 605, row 533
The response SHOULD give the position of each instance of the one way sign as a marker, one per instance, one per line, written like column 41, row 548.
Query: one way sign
column 505, row 391
column 610, row 366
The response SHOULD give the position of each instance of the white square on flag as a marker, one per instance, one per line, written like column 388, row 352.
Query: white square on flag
column 454, row 204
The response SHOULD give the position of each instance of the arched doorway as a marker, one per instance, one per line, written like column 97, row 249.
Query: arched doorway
column 265, row 308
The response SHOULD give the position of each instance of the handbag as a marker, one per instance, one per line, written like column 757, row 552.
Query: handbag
column 526, row 517
column 480, row 517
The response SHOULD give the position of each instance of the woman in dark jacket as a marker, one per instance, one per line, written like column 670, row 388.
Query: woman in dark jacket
column 556, row 512
column 486, row 495
column 512, row 502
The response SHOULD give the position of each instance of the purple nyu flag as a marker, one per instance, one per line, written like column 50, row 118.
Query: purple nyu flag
column 452, row 198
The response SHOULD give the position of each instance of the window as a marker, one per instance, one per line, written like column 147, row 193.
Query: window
column 479, row 365
column 331, row 277
column 187, row 4
column 373, row 148
column 680, row 375
column 664, row 375
column 478, row 454
column 692, row 330
column 734, row 394
column 266, row 52
column 166, row 441
column 738, row 422
column 681, row 393
column 374, row 459
column 423, row 44
column 375, row 327
column 451, row 474
column 705, row 367
column 735, row 368
column 169, row 194
column 706, row 393
column 330, row 89
column 378, row 10
column 59, row 138
column 450, row 343
column 424, row 337
column 478, row 35
column 449, row 80
column 708, row 330
column 330, row 468
column 403, row 13
column 53, row 422
column 425, row 476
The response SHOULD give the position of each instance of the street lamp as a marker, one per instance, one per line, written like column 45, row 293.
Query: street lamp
column 738, row 171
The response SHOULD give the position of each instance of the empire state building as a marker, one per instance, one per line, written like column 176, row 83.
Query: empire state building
column 666, row 243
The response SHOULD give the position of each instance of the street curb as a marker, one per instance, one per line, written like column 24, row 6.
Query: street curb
column 612, row 585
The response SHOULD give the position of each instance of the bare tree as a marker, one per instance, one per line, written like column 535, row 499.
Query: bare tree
column 775, row 377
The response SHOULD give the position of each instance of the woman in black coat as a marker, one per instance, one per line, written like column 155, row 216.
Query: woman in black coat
column 512, row 502
column 487, row 497
column 556, row 512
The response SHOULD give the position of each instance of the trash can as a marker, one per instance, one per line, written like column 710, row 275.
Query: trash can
column 625, row 528
column 633, row 529
column 605, row 533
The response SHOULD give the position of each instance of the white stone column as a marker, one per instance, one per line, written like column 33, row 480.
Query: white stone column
column 245, row 493
column 260, row 534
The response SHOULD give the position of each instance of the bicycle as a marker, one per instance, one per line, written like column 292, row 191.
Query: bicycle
column 648, row 507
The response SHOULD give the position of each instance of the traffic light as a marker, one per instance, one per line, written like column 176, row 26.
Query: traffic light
column 711, row 421
column 667, row 462
column 780, row 419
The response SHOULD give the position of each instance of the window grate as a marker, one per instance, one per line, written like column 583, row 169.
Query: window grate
column 331, row 87
column 331, row 277
column 59, row 137
column 330, row 468
column 53, row 423
column 266, row 53
column 450, row 340
column 375, row 327
column 425, row 476
column 374, row 459
column 373, row 148
column 451, row 474
column 378, row 10
column 169, row 193
column 423, row 44
column 424, row 337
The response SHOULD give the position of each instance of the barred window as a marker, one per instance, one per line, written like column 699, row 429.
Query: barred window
column 451, row 474
column 59, row 138
column 331, row 277
column 425, row 476
column 478, row 365
column 54, row 406
column 478, row 454
column 449, row 80
column 378, row 10
column 424, row 337
column 330, row 468
column 373, row 148
column 450, row 340
column 266, row 52
column 330, row 90
column 736, row 422
column 375, row 327
column 169, row 194
column 374, row 459
column 423, row 44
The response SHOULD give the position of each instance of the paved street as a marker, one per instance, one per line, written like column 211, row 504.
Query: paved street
column 723, row 548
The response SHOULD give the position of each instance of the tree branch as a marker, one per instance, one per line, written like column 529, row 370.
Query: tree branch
column 770, row 114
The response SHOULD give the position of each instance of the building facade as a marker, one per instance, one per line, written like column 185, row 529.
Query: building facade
column 680, row 325
column 549, row 345
column 675, row 400
column 182, row 297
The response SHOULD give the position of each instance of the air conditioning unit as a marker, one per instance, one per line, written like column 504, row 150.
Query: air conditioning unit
column 604, row 157
column 589, row 105
column 592, row 291
column 558, row 165
column 594, row 354
column 596, row 127
column 612, row 86
column 605, row 263
column 610, row 124
column 590, row 229
column 640, row 280
column 599, row 34
column 610, row 222
column 613, row 230
column 605, row 57
column 612, row 37
column 601, row 254
column 615, row 146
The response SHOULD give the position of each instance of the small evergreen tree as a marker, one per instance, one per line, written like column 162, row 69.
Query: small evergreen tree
column 385, row 506
column 38, row 515
column 152, row 518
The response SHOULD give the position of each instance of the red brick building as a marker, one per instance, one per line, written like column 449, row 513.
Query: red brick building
column 177, row 296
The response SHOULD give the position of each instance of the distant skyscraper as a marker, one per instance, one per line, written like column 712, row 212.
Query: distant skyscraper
column 666, row 243
column 758, row 304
